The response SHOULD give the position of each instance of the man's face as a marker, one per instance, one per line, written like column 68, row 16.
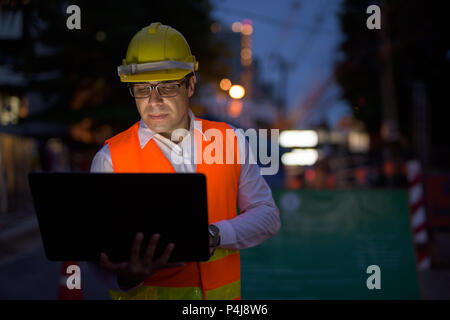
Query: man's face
column 164, row 115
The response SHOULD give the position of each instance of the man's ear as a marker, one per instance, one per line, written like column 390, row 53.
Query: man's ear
column 191, row 86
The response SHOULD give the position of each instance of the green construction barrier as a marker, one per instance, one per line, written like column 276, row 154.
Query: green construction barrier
column 325, row 244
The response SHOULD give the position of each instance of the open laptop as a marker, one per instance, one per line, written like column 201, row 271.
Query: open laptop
column 81, row 215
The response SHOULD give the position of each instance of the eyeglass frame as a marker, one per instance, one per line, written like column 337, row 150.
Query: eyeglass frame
column 151, row 86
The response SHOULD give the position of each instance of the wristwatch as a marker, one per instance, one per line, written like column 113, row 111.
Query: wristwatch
column 215, row 234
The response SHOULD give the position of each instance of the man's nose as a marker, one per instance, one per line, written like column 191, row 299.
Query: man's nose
column 154, row 96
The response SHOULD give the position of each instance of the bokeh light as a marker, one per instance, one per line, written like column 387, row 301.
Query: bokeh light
column 237, row 91
column 225, row 84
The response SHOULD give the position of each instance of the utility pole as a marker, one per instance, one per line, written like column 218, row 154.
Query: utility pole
column 390, row 134
column 421, row 129
column 389, row 127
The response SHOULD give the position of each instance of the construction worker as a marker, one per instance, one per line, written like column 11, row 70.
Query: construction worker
column 160, row 72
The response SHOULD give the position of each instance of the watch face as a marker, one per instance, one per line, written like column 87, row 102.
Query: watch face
column 213, row 229
column 214, row 232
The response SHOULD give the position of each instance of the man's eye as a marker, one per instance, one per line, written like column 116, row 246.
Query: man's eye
column 168, row 88
column 140, row 89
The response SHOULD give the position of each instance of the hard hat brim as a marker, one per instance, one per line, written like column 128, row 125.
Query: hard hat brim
column 159, row 75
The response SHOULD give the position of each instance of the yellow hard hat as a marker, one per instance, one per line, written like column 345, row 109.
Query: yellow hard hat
column 157, row 53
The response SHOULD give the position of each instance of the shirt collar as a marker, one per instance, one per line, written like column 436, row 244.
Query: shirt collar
column 145, row 134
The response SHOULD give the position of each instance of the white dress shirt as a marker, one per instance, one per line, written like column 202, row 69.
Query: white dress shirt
column 259, row 217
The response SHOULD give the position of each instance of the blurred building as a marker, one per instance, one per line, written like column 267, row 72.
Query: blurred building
column 24, row 145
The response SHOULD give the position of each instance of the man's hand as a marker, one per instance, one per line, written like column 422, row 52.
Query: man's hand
column 134, row 272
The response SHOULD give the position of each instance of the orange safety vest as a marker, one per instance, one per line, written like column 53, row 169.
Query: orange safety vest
column 220, row 276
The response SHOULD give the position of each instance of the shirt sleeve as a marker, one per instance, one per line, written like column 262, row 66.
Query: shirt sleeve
column 259, row 217
column 102, row 161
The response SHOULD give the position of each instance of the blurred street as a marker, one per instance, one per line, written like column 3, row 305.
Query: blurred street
column 25, row 272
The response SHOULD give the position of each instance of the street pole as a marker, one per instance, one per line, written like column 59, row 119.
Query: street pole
column 389, row 127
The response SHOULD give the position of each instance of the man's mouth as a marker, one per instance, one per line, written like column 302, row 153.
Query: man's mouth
column 158, row 116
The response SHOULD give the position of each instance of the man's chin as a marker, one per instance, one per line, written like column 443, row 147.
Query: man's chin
column 157, row 127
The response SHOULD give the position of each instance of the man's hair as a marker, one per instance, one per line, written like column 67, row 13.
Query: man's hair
column 188, row 77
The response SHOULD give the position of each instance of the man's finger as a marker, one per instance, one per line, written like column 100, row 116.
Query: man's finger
column 148, row 257
column 166, row 255
column 136, row 248
column 107, row 264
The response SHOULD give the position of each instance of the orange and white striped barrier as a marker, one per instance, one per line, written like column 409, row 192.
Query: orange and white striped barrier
column 418, row 214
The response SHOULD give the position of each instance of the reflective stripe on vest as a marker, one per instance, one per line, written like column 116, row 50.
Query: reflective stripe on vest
column 219, row 277
column 159, row 293
column 230, row 291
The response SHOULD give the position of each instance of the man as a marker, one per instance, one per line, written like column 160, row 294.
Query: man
column 160, row 72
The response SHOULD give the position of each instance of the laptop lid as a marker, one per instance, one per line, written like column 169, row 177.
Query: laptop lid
column 81, row 215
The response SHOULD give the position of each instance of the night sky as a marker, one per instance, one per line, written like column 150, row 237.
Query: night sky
column 307, row 34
